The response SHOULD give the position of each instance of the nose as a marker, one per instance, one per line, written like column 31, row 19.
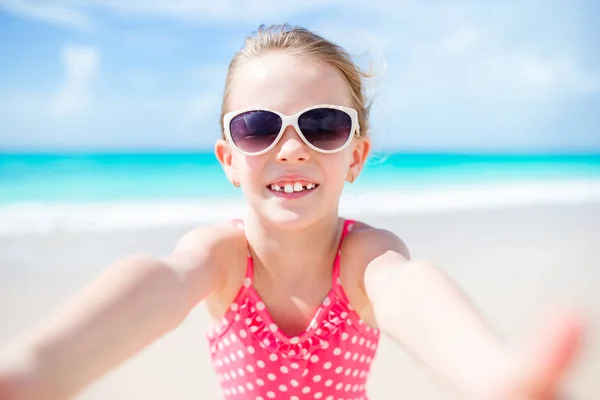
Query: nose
column 291, row 148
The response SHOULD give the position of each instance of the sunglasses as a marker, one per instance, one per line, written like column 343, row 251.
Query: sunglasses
column 324, row 128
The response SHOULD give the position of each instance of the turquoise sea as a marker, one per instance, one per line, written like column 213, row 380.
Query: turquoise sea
column 176, row 176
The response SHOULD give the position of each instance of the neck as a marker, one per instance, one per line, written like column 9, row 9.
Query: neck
column 293, row 255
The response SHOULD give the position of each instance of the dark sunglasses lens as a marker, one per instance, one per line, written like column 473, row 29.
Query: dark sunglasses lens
column 325, row 128
column 254, row 131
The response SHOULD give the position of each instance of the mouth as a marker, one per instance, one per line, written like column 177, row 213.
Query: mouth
column 292, row 187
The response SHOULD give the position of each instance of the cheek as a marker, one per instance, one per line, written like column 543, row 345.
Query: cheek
column 336, row 167
column 250, row 169
column 340, row 162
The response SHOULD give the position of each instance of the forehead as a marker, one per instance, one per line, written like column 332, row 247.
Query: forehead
column 287, row 83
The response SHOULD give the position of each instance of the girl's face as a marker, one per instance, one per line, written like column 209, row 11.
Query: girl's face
column 289, row 83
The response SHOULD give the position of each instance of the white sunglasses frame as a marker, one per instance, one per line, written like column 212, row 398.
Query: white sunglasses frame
column 292, row 120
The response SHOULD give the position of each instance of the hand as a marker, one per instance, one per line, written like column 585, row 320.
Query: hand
column 17, row 387
column 6, row 390
column 540, row 369
column 8, row 386
column 18, row 378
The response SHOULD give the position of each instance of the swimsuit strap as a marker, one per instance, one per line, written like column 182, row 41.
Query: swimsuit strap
column 239, row 223
column 348, row 225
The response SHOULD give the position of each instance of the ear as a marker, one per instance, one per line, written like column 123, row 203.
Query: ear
column 224, row 154
column 360, row 152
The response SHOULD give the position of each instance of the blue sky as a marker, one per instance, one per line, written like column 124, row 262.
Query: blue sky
column 452, row 75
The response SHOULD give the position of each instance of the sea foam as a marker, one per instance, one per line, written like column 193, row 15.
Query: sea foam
column 24, row 218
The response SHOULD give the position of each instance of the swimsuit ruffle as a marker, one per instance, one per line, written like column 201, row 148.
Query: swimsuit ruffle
column 316, row 336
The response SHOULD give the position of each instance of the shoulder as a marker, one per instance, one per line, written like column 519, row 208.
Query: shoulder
column 372, row 256
column 366, row 253
column 366, row 243
column 211, row 238
column 204, row 257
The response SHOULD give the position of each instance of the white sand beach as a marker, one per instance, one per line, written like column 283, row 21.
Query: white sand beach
column 515, row 263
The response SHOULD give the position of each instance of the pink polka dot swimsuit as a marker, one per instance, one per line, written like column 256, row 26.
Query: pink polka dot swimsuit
column 330, row 360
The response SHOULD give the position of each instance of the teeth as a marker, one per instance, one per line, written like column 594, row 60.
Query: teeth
column 292, row 187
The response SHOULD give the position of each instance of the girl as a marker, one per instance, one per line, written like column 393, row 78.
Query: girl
column 299, row 296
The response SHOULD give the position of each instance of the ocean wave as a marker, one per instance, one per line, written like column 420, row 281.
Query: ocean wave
column 45, row 218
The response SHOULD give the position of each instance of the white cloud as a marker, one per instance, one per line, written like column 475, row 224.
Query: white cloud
column 75, row 93
column 154, row 40
column 222, row 10
column 463, row 75
column 55, row 14
column 204, row 106
column 447, row 74
column 210, row 74
column 70, row 13
column 464, row 41
column 559, row 75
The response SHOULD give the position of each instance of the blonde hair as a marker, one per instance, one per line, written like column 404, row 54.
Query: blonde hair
column 301, row 41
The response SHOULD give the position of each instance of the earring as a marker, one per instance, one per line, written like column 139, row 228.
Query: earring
column 236, row 184
column 351, row 178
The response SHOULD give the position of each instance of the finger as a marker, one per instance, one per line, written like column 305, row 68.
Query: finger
column 557, row 342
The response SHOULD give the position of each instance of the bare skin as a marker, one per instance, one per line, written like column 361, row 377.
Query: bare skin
column 138, row 299
column 437, row 326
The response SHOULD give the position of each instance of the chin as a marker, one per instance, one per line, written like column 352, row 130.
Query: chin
column 291, row 219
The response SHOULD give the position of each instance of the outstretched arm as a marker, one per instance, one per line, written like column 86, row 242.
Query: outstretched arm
column 130, row 304
column 419, row 307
